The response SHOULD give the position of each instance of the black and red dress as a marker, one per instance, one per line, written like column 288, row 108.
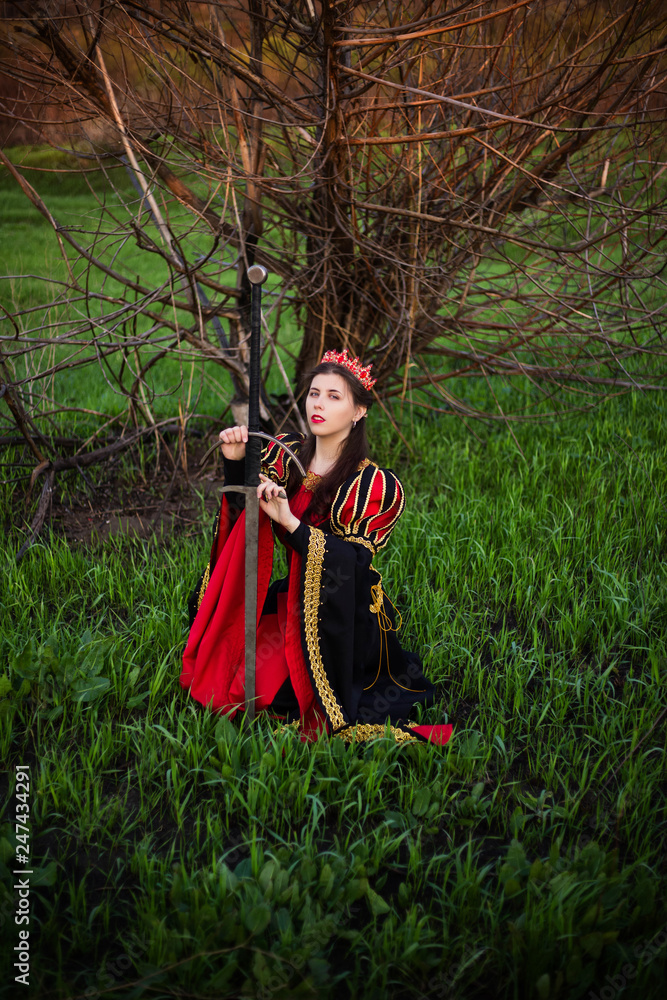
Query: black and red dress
column 328, row 657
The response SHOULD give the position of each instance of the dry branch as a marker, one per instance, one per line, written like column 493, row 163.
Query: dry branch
column 475, row 191
column 78, row 462
column 43, row 508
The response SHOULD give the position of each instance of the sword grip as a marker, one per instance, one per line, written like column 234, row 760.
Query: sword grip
column 256, row 276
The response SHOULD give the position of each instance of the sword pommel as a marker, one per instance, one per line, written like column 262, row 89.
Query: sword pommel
column 257, row 274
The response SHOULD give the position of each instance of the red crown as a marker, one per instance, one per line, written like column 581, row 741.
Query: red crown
column 354, row 366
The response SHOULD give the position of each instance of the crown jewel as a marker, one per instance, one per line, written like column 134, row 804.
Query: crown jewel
column 352, row 365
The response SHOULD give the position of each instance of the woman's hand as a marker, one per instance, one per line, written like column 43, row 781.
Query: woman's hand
column 273, row 501
column 233, row 441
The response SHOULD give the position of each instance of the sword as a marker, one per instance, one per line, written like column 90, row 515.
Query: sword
column 257, row 275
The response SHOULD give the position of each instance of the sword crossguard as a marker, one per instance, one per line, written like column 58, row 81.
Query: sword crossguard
column 267, row 437
column 248, row 491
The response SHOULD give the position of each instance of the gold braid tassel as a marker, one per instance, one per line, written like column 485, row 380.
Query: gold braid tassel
column 384, row 621
column 377, row 607
column 204, row 585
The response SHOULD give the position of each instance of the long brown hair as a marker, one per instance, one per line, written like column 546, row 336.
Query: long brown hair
column 352, row 453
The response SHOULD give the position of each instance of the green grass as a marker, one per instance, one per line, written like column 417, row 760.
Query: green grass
column 194, row 857
column 176, row 854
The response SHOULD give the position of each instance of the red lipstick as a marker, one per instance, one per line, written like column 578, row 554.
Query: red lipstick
column 316, row 419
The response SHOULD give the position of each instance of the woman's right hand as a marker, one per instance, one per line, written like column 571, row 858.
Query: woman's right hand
column 233, row 441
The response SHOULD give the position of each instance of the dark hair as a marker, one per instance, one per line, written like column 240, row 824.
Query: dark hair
column 353, row 452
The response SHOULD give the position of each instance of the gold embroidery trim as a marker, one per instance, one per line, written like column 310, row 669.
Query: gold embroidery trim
column 361, row 541
column 373, row 731
column 311, row 604
column 358, row 734
column 310, row 481
column 287, row 727
column 204, row 584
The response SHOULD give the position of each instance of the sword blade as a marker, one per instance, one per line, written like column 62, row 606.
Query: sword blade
column 251, row 555
column 256, row 276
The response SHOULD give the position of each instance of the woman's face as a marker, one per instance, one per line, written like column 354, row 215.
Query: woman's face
column 330, row 408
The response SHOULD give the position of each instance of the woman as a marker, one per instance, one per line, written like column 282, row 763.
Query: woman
column 328, row 657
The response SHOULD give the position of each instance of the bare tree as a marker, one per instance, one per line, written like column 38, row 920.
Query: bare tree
column 445, row 189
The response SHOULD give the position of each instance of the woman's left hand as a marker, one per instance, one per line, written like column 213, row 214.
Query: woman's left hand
column 273, row 501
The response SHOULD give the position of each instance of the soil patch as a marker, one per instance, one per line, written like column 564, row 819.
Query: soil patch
column 137, row 510
column 158, row 501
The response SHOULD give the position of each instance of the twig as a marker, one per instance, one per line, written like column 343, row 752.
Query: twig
column 40, row 516
column 19, row 414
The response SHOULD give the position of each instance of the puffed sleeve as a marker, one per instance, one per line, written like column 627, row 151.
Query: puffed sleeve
column 367, row 510
column 275, row 460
